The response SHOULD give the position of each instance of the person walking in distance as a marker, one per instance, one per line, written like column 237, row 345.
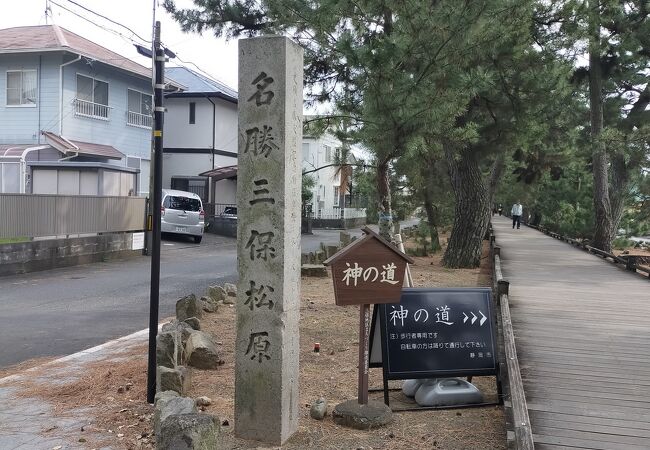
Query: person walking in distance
column 516, row 212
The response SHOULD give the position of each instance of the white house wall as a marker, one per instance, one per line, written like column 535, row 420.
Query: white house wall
column 326, row 178
column 224, row 161
column 184, row 164
column 226, row 126
column 225, row 191
column 179, row 133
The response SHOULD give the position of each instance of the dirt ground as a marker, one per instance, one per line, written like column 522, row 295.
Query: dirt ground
column 116, row 391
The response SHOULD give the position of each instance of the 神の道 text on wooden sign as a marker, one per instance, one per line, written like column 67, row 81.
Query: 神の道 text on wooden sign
column 369, row 270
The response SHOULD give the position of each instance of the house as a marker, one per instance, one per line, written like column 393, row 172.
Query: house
column 200, row 146
column 332, row 194
column 75, row 117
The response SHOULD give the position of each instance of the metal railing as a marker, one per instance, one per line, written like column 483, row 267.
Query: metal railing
column 32, row 215
column 138, row 120
column 338, row 213
column 90, row 109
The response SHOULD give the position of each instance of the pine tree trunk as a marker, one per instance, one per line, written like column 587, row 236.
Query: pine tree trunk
column 431, row 218
column 605, row 228
column 384, row 206
column 472, row 210
column 495, row 175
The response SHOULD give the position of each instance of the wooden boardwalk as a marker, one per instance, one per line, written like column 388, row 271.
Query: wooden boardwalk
column 582, row 331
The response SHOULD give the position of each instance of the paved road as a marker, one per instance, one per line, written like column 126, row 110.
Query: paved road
column 62, row 311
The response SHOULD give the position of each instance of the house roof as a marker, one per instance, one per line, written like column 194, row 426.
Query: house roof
column 83, row 148
column 43, row 38
column 369, row 234
column 198, row 85
column 221, row 173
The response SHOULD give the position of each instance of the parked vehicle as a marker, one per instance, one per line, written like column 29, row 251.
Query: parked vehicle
column 182, row 213
column 229, row 212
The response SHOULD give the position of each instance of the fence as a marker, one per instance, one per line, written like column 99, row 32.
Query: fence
column 29, row 215
column 339, row 213
column 633, row 263
column 215, row 209
column 338, row 218
column 522, row 436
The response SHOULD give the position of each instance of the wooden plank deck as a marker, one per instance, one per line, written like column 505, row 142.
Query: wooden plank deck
column 582, row 331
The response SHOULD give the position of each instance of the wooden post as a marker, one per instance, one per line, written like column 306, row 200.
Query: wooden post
column 364, row 331
column 630, row 263
column 503, row 287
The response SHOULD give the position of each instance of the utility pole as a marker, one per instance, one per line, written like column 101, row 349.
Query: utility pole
column 48, row 11
column 156, row 200
column 148, row 232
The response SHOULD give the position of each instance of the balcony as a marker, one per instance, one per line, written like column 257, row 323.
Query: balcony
column 138, row 120
column 85, row 108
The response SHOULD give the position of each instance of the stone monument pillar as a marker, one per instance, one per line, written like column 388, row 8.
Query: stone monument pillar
column 268, row 239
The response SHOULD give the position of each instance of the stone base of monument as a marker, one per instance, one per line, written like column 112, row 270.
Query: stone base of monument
column 362, row 417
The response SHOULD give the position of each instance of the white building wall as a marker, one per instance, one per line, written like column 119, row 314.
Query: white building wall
column 316, row 155
column 225, row 191
column 226, row 126
column 178, row 131
column 184, row 164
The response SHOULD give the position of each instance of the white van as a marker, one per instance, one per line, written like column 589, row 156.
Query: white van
column 182, row 213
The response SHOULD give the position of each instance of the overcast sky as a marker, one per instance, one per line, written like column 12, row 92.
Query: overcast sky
column 215, row 56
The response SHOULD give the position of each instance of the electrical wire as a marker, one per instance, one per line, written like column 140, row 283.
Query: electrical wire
column 110, row 20
column 182, row 62
column 110, row 30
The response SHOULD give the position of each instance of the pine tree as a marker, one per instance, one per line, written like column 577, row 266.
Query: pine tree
column 614, row 36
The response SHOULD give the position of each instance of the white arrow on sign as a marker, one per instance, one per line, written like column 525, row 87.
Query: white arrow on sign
column 465, row 319
column 483, row 319
column 473, row 317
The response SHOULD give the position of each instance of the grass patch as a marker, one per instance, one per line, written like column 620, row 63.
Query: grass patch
column 13, row 240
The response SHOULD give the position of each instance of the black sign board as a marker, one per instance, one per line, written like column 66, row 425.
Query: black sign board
column 437, row 333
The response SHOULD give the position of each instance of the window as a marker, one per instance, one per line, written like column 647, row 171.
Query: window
column 336, row 195
column 305, row 152
column 182, row 203
column 92, row 97
column 21, row 88
column 139, row 105
column 192, row 113
column 328, row 153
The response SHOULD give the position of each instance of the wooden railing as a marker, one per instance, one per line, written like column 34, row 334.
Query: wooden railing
column 522, row 436
column 633, row 263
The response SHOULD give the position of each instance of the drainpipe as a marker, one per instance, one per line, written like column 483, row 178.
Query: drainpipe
column 23, row 166
column 78, row 58
column 40, row 71
column 214, row 122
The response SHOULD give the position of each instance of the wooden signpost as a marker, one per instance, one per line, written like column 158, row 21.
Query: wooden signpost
column 368, row 271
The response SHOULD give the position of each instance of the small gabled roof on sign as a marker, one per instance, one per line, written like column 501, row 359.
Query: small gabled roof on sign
column 369, row 234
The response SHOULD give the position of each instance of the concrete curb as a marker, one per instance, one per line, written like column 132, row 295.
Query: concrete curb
column 142, row 334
